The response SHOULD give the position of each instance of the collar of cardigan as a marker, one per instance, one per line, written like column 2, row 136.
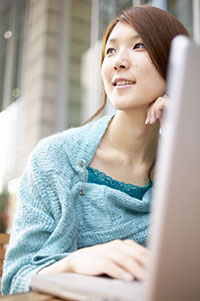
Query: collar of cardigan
column 83, row 145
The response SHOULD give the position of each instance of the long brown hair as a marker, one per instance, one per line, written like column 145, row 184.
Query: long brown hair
column 156, row 28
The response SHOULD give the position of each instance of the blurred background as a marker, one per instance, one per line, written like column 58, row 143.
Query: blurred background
column 50, row 73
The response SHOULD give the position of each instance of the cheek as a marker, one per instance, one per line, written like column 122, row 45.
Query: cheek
column 158, row 83
column 105, row 75
column 153, row 78
column 102, row 73
column 155, row 87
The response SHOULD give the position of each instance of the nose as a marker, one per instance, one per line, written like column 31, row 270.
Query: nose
column 121, row 61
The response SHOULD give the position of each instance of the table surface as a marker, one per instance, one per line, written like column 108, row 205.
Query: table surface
column 31, row 296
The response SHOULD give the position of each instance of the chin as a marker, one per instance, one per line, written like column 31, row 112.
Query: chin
column 127, row 105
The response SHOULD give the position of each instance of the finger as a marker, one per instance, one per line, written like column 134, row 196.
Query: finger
column 130, row 264
column 159, row 104
column 135, row 269
column 152, row 118
column 129, row 242
column 160, row 109
column 150, row 105
column 134, row 244
column 159, row 113
column 138, row 252
column 114, row 270
column 148, row 118
column 131, row 249
column 166, row 97
column 163, row 102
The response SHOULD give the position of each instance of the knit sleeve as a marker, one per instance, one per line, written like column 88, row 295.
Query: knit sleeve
column 44, row 229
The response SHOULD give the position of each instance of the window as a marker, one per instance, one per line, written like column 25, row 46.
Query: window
column 183, row 11
column 108, row 10
column 12, row 14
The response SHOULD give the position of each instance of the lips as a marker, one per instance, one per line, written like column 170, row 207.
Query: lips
column 123, row 82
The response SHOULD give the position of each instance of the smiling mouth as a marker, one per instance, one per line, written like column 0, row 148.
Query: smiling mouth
column 124, row 83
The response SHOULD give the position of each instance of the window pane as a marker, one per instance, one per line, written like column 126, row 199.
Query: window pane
column 11, row 40
column 182, row 9
column 108, row 10
column 79, row 43
column 4, row 18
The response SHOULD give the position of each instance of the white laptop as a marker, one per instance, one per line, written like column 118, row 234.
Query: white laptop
column 174, row 273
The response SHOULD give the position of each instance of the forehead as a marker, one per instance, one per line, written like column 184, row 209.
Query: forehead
column 123, row 30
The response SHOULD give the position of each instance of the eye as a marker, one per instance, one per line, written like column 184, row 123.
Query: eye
column 110, row 50
column 139, row 46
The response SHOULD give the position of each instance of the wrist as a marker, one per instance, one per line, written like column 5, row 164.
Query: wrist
column 61, row 266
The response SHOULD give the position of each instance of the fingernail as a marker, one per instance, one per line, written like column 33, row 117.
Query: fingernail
column 127, row 276
column 146, row 121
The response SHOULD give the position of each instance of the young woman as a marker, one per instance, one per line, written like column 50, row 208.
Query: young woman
column 86, row 193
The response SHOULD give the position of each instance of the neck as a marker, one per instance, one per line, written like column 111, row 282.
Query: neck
column 130, row 135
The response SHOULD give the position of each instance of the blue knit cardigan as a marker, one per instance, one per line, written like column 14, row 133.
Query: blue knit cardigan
column 58, row 213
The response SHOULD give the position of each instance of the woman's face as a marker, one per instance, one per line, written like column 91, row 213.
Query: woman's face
column 130, row 78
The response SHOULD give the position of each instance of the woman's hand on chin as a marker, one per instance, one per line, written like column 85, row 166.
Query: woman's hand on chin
column 156, row 109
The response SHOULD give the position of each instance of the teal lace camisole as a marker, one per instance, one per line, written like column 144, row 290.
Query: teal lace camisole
column 100, row 178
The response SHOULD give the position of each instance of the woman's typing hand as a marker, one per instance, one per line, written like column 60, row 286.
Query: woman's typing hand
column 155, row 110
column 121, row 259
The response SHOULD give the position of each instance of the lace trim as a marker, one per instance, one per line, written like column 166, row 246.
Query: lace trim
column 99, row 177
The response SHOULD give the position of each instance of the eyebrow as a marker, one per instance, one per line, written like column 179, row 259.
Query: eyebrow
column 135, row 37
